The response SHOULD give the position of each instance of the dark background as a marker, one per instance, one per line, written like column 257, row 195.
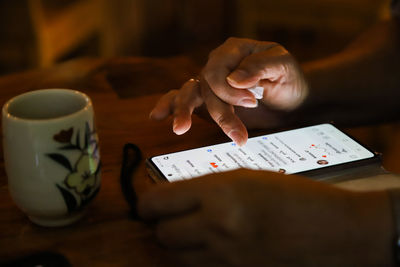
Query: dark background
column 40, row 33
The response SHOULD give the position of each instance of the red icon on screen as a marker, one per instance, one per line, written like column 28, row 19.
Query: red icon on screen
column 324, row 156
column 214, row 164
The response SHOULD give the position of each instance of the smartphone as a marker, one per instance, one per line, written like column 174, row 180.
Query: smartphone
column 308, row 151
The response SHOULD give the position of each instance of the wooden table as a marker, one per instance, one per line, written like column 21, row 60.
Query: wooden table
column 123, row 92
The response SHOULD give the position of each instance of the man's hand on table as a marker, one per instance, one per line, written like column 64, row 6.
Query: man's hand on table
column 233, row 67
column 253, row 218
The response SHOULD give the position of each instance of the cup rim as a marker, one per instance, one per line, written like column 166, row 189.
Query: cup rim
column 8, row 115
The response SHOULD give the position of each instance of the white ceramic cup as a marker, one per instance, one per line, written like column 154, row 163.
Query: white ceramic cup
column 51, row 154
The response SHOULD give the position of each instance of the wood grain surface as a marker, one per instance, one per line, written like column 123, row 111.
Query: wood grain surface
column 123, row 92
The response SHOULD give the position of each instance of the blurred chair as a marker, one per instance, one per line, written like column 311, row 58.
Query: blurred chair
column 309, row 28
column 60, row 30
column 39, row 33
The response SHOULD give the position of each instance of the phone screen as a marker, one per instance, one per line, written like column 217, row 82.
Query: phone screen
column 289, row 152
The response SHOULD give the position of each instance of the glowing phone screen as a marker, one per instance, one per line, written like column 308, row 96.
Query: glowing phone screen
column 287, row 152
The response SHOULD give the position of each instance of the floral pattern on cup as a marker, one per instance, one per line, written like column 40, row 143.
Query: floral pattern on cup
column 81, row 184
column 84, row 177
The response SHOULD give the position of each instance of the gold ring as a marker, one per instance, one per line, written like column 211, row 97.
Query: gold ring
column 194, row 80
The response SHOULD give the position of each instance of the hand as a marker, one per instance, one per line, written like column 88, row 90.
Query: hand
column 252, row 218
column 235, row 66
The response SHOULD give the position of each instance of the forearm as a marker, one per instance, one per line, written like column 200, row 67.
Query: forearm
column 359, row 84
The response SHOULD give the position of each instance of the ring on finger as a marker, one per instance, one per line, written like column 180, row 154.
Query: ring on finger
column 194, row 80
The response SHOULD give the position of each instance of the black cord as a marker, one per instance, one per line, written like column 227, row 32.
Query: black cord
column 132, row 157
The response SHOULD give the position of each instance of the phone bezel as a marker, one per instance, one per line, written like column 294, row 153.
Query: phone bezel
column 317, row 174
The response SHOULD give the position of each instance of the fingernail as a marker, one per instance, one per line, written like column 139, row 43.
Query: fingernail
column 238, row 76
column 237, row 137
column 248, row 103
column 176, row 129
column 174, row 126
column 151, row 115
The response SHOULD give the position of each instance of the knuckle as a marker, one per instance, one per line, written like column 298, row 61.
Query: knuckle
column 177, row 106
column 281, row 50
column 272, row 44
column 232, row 40
column 230, row 44
column 178, row 99
column 212, row 53
column 228, row 217
column 255, row 68
column 212, row 79
column 237, row 41
column 181, row 110
column 224, row 121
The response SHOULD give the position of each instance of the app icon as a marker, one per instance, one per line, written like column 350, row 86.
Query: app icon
column 214, row 164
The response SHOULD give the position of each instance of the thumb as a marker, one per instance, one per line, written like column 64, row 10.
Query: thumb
column 242, row 78
column 268, row 64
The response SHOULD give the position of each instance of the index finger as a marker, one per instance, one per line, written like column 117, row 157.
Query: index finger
column 224, row 115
